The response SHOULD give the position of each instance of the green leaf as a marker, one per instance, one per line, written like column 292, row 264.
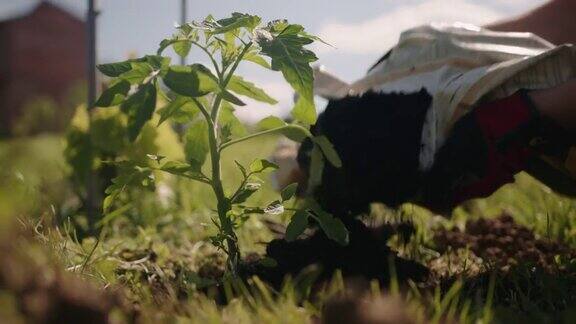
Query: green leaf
column 139, row 108
column 193, row 81
column 230, row 126
column 187, row 33
column 176, row 167
column 139, row 72
column 333, row 227
column 107, row 203
column 114, row 69
column 277, row 25
column 185, row 29
column 157, row 158
column 316, row 167
column 238, row 20
column 130, row 175
column 316, row 38
column 164, row 44
column 328, row 149
column 175, row 107
column 276, row 125
column 289, row 191
column 196, row 144
column 228, row 96
column 289, row 29
column 295, row 132
column 245, row 88
column 291, row 58
column 227, row 47
column 261, row 165
column 271, row 122
column 274, row 208
column 255, row 58
column 297, row 225
column 247, row 191
column 304, row 111
column 206, row 25
column 182, row 47
column 157, row 62
column 185, row 113
column 182, row 169
column 114, row 95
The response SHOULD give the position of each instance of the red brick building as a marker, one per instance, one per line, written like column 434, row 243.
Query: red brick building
column 42, row 53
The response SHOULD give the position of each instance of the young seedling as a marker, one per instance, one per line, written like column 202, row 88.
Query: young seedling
column 204, row 98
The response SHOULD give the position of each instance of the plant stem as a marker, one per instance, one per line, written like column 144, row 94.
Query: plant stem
column 224, row 204
column 211, row 57
column 238, row 60
column 224, row 83
column 251, row 136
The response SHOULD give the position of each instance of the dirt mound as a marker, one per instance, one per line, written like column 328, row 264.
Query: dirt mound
column 365, row 309
column 45, row 293
column 367, row 255
column 504, row 243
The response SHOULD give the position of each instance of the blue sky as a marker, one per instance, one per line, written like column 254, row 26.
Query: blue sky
column 361, row 31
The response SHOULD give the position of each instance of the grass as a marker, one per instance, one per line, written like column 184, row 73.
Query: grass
column 153, row 254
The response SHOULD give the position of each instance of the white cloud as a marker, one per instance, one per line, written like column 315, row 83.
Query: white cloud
column 375, row 35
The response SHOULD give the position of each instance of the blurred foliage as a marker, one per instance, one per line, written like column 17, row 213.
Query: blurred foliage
column 44, row 114
column 39, row 115
column 32, row 177
column 92, row 144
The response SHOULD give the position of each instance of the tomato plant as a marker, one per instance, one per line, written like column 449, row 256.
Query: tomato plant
column 204, row 98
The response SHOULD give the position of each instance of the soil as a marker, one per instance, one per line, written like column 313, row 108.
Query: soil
column 367, row 255
column 358, row 308
column 45, row 293
column 503, row 243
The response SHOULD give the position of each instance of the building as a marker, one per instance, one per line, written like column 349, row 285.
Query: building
column 42, row 53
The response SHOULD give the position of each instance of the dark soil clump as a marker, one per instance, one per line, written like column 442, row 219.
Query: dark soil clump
column 366, row 256
column 504, row 243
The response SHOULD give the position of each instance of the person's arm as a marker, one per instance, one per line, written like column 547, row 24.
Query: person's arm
column 558, row 104
column 554, row 21
column 492, row 143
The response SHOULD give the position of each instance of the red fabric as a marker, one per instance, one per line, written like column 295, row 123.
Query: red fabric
column 501, row 117
column 495, row 120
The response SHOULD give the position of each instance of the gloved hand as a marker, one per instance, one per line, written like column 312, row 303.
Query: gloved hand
column 485, row 149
